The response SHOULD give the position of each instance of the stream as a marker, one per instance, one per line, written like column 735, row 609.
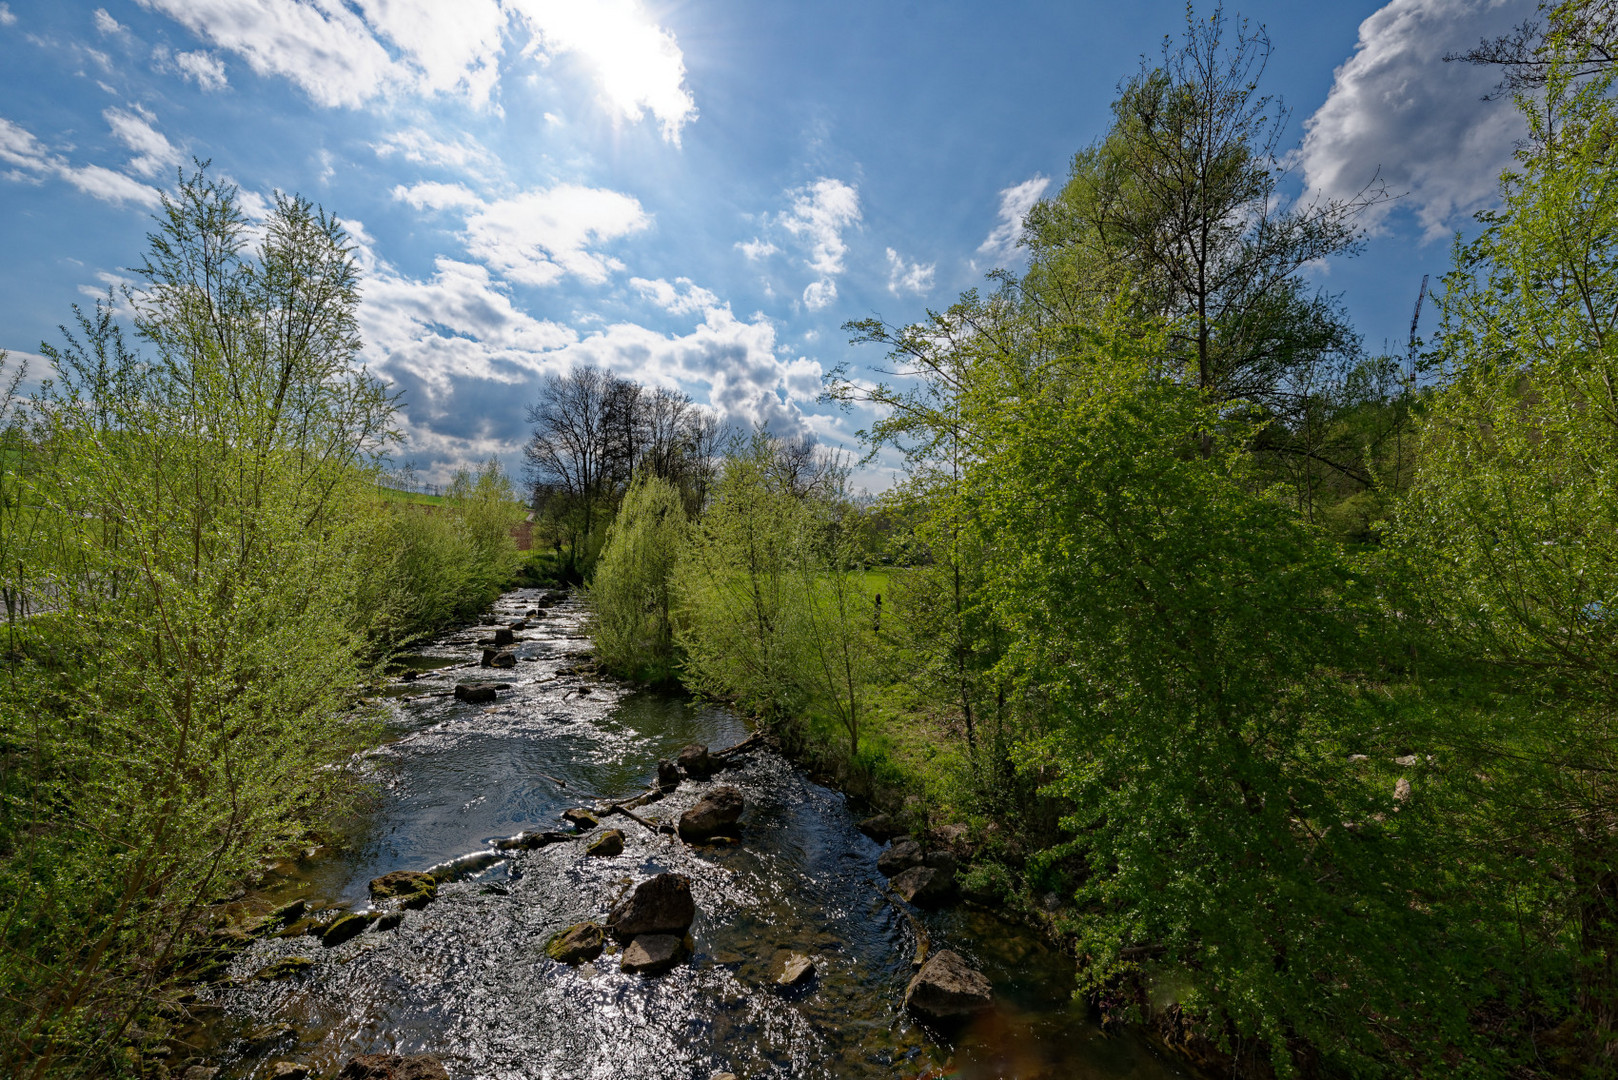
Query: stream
column 467, row 978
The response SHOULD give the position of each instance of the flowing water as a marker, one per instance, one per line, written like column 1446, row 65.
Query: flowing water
column 467, row 978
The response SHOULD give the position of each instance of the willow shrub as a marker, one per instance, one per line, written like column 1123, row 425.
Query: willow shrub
column 1202, row 665
column 632, row 592
column 186, row 529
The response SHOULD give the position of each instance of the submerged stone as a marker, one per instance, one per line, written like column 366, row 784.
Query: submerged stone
column 948, row 989
column 797, row 969
column 394, row 1067
column 284, row 968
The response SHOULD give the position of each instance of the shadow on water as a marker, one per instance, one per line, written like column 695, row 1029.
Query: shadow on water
column 467, row 978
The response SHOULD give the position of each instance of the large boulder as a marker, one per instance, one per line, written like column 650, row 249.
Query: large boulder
column 342, row 929
column 924, row 886
column 581, row 819
column 608, row 843
column 714, row 814
column 695, row 761
column 578, row 943
column 947, row 989
column 668, row 776
column 944, row 862
column 881, row 827
column 659, row 905
column 394, row 1067
column 476, row 695
column 652, row 954
column 417, row 890
column 898, row 857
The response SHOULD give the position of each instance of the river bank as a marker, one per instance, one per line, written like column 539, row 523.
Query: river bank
column 466, row 977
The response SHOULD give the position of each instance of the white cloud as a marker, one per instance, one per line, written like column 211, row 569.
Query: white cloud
column 756, row 249
column 819, row 294
column 539, row 236
column 1395, row 106
column 202, row 68
column 345, row 55
column 637, row 64
column 154, row 154
column 7, row 18
column 414, row 144
column 106, row 24
column 431, row 195
column 683, row 297
column 911, row 277
column 327, row 50
column 1015, row 202
column 816, row 219
column 33, row 162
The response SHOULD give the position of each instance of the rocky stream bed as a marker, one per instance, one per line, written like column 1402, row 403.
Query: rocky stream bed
column 472, row 921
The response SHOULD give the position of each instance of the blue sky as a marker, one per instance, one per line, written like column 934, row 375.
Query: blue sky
column 695, row 194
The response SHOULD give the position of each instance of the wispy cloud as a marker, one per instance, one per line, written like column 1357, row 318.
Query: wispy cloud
column 756, row 249
column 32, row 161
column 682, row 297
column 817, row 217
column 7, row 17
column 908, row 277
column 154, row 154
column 1015, row 202
column 415, row 144
column 106, row 25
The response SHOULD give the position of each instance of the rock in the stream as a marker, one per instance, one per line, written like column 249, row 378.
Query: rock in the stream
column 342, row 929
column 417, row 890
column 668, row 776
column 580, row 819
column 284, row 968
column 947, row 989
column 504, row 635
column 268, row 1036
column 394, row 1067
column 288, row 913
column 652, row 954
column 715, row 813
column 288, row 1070
column 488, row 657
column 609, row 843
column 797, row 969
column 471, row 692
column 528, row 841
column 924, row 886
column 695, row 761
column 578, row 943
column 504, row 660
column 898, row 857
column 881, row 827
column 659, row 905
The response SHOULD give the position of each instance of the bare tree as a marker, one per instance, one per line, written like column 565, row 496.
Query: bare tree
column 1586, row 29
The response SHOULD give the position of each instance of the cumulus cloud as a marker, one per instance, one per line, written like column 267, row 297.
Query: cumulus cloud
column 106, row 24
column 1395, row 106
column 637, row 64
column 816, row 219
column 431, row 195
column 1015, row 202
column 136, row 129
column 756, row 249
column 345, row 55
column 416, row 145
column 32, row 162
column 539, row 236
column 908, row 277
column 682, row 297
column 202, row 68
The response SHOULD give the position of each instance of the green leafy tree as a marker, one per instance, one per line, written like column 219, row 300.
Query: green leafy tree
column 632, row 593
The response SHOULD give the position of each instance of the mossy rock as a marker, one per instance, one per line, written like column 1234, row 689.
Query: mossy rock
column 610, row 842
column 578, row 943
column 342, row 929
column 285, row 968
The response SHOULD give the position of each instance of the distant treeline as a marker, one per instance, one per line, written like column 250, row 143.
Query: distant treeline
column 200, row 576
column 1290, row 673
